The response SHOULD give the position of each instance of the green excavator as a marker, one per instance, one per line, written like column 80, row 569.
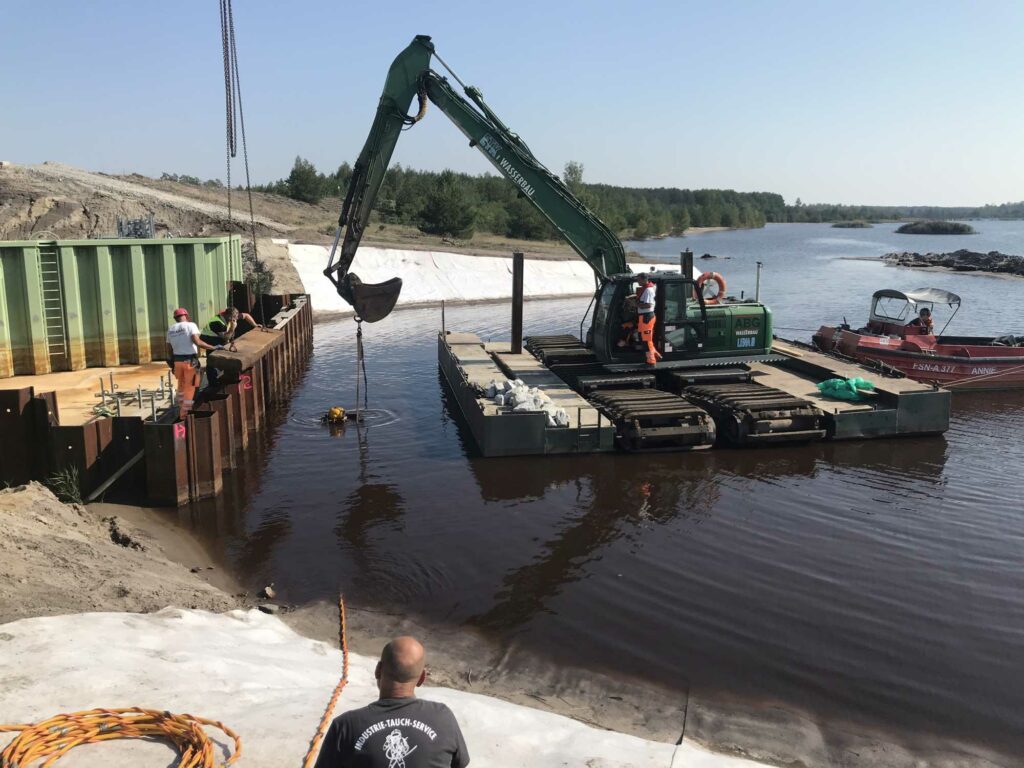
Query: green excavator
column 690, row 330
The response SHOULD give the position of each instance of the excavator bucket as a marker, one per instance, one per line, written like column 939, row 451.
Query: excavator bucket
column 372, row 301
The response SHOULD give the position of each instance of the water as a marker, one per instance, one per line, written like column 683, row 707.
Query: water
column 813, row 273
column 876, row 581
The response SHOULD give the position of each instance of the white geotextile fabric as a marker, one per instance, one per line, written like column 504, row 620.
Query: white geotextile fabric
column 269, row 684
column 432, row 276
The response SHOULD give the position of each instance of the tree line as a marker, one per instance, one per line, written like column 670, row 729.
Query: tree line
column 456, row 205
column 821, row 212
column 459, row 204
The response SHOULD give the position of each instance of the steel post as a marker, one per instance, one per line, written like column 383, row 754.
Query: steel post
column 517, row 302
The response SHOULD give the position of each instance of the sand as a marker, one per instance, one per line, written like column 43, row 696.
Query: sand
column 57, row 559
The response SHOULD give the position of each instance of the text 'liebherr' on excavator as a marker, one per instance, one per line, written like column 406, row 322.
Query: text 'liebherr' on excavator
column 689, row 331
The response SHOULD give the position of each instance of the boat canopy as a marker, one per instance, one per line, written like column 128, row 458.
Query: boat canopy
column 920, row 296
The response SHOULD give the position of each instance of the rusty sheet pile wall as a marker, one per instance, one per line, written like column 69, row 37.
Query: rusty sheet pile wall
column 66, row 305
column 185, row 460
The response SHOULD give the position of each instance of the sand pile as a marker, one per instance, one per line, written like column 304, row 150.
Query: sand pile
column 57, row 558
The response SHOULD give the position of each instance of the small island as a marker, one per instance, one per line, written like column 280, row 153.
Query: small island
column 856, row 224
column 935, row 228
column 963, row 260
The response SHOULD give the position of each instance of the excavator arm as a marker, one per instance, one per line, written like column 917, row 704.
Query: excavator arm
column 410, row 77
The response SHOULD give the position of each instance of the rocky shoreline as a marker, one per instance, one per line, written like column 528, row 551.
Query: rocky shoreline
column 963, row 260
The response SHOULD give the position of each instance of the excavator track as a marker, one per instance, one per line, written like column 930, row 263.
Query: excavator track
column 652, row 420
column 555, row 350
column 748, row 413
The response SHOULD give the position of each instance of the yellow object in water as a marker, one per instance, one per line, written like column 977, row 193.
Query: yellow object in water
column 335, row 415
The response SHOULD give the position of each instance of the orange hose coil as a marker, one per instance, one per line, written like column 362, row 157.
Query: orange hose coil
column 51, row 739
column 719, row 280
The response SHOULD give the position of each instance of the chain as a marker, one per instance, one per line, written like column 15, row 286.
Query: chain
column 361, row 370
column 234, row 114
column 227, row 41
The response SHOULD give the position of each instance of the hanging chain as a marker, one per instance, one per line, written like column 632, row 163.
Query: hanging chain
column 234, row 115
column 361, row 371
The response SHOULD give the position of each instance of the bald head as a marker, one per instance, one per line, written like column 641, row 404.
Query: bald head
column 401, row 661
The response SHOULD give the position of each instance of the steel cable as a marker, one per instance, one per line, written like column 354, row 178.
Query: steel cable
column 234, row 114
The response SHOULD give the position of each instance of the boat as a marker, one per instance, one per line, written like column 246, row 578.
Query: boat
column 895, row 339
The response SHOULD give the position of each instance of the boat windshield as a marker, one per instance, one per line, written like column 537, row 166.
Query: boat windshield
column 897, row 308
column 893, row 309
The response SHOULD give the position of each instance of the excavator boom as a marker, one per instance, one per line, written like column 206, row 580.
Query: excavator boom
column 410, row 77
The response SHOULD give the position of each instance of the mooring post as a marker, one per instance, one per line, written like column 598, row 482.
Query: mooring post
column 757, row 285
column 686, row 258
column 517, row 302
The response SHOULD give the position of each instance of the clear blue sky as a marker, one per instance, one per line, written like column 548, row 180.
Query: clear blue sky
column 883, row 103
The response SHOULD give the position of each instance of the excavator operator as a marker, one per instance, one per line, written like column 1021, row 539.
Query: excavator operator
column 645, row 318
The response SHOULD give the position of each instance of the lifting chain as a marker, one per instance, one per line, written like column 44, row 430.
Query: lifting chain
column 234, row 117
column 361, row 370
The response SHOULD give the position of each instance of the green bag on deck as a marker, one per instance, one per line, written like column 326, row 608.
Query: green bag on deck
column 845, row 389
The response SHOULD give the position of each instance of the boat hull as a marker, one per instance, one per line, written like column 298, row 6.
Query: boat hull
column 952, row 364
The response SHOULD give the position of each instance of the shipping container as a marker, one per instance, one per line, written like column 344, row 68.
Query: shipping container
column 66, row 305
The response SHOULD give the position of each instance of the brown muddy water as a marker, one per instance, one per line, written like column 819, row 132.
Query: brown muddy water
column 879, row 582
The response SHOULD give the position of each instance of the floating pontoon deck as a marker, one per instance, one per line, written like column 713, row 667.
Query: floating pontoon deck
column 757, row 403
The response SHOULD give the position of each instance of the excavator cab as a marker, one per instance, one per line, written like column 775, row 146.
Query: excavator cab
column 687, row 327
column 680, row 320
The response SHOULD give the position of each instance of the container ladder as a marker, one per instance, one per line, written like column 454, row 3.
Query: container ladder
column 53, row 306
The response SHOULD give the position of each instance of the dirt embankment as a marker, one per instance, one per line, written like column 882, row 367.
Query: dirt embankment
column 58, row 200
column 57, row 558
column 963, row 260
column 53, row 199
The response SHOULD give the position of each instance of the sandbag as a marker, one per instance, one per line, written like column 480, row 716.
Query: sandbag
column 845, row 389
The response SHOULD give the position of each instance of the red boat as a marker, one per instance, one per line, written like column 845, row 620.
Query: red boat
column 896, row 338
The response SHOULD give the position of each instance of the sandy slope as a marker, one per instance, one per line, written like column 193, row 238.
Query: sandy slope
column 57, row 559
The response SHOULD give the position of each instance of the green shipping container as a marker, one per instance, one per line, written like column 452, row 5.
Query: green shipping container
column 66, row 305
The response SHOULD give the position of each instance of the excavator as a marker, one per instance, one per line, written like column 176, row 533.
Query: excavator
column 689, row 329
column 658, row 381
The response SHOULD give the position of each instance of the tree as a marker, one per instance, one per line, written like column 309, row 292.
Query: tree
column 304, row 183
column 447, row 211
column 526, row 223
column 574, row 177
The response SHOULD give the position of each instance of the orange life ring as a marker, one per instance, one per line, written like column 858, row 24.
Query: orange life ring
column 720, row 294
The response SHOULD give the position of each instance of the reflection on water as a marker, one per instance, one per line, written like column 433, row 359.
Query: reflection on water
column 877, row 580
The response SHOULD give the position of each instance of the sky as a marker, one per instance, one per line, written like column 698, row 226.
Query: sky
column 883, row 103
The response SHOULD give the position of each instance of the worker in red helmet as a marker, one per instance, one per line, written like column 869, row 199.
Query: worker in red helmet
column 183, row 345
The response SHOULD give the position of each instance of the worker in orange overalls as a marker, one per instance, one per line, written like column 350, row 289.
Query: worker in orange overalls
column 183, row 344
column 645, row 318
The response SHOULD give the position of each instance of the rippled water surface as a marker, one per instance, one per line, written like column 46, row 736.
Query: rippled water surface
column 880, row 581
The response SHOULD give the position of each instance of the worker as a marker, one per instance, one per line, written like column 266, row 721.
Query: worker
column 222, row 328
column 923, row 321
column 398, row 729
column 183, row 344
column 629, row 309
column 645, row 318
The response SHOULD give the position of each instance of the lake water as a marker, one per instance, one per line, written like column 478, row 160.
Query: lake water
column 878, row 582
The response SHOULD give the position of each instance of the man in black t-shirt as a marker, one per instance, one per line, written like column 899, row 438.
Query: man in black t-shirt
column 398, row 730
